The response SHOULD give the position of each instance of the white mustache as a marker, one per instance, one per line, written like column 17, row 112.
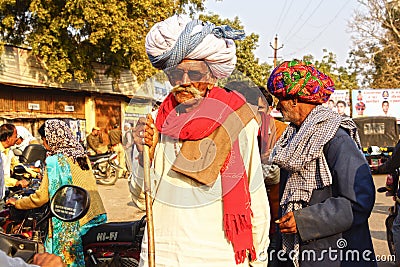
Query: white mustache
column 190, row 89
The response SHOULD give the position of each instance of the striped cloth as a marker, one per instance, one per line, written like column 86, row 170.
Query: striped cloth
column 178, row 37
column 300, row 152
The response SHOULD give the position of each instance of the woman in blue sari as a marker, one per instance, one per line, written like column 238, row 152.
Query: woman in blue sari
column 66, row 164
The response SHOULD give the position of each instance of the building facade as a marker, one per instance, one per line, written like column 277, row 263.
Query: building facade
column 28, row 98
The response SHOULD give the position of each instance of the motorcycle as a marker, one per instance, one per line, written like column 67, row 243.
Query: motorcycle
column 28, row 171
column 391, row 189
column 12, row 220
column 114, row 244
column 378, row 155
column 69, row 203
column 31, row 153
column 105, row 167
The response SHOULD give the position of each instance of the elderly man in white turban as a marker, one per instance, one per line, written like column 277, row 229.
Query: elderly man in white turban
column 24, row 138
column 210, row 205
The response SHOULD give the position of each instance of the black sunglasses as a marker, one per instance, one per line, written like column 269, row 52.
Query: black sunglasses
column 177, row 75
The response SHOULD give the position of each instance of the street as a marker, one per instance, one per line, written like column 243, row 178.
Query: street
column 120, row 207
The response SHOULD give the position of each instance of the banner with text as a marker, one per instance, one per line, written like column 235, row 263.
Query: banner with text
column 376, row 102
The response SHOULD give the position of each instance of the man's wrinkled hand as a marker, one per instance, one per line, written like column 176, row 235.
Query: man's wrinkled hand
column 145, row 133
column 287, row 224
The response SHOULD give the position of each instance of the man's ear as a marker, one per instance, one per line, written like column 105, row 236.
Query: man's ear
column 211, row 78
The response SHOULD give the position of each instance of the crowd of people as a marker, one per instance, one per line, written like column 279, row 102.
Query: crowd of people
column 232, row 186
column 215, row 162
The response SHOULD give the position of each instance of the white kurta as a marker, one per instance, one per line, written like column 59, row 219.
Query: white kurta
column 188, row 216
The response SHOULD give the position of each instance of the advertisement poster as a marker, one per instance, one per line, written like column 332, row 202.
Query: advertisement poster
column 376, row 102
column 340, row 102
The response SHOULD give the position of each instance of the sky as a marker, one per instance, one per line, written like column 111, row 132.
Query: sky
column 302, row 26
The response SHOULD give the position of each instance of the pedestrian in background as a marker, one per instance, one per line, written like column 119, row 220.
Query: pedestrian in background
column 8, row 138
column 127, row 143
column 273, row 129
column 328, row 191
column 115, row 136
column 94, row 142
column 24, row 138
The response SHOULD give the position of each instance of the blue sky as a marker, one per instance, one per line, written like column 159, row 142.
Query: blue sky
column 303, row 26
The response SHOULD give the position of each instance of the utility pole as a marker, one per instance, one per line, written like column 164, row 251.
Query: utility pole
column 276, row 48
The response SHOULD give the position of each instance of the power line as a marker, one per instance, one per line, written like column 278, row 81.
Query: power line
column 298, row 19
column 323, row 30
column 280, row 16
column 308, row 18
column 284, row 15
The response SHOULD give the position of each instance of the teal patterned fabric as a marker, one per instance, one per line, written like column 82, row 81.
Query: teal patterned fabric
column 66, row 239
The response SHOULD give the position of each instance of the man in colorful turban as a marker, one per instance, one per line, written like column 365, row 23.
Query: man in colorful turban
column 210, row 206
column 298, row 79
column 329, row 192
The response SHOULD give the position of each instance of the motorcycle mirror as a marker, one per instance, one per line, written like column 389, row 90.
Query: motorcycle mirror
column 17, row 152
column 70, row 203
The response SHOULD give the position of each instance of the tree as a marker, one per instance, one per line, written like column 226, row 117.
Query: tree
column 344, row 78
column 68, row 36
column 247, row 63
column 376, row 55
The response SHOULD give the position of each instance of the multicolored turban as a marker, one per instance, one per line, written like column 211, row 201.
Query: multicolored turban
column 179, row 37
column 301, row 80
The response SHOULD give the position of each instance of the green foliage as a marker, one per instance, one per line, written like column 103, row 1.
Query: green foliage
column 344, row 78
column 68, row 36
column 376, row 52
column 247, row 63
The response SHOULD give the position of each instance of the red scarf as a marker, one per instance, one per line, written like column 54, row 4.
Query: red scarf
column 198, row 124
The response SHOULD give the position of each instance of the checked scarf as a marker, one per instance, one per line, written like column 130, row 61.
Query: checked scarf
column 300, row 152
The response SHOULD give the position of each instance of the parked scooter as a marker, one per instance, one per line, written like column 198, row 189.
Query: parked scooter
column 69, row 203
column 105, row 168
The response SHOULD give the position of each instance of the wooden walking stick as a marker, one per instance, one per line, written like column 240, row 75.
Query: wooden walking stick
column 149, row 202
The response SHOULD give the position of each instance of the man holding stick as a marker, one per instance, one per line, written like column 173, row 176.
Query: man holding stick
column 210, row 205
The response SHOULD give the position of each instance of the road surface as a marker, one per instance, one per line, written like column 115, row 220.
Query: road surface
column 120, row 207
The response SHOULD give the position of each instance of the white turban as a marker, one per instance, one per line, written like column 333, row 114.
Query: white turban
column 26, row 135
column 198, row 42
